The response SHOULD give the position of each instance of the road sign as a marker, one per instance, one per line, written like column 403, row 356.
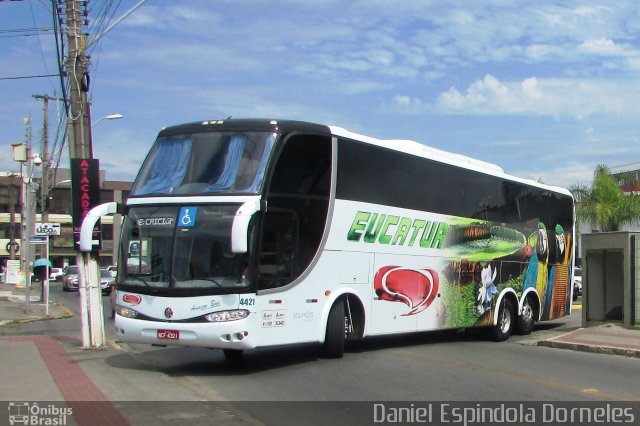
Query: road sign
column 39, row 239
column 12, row 272
column 15, row 244
column 47, row 229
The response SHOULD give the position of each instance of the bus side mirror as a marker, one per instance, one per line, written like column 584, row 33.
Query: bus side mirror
column 240, row 227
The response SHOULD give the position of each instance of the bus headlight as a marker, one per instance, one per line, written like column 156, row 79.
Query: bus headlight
column 123, row 311
column 223, row 316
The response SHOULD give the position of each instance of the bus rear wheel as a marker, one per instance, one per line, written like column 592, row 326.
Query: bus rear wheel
column 506, row 319
column 526, row 319
column 335, row 335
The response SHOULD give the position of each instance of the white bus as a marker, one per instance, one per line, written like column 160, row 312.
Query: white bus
column 241, row 234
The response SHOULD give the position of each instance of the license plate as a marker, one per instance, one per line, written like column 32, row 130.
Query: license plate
column 168, row 334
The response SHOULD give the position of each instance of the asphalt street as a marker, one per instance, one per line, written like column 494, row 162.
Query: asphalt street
column 142, row 384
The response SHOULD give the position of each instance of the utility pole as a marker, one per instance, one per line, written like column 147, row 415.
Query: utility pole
column 44, row 155
column 44, row 185
column 22, row 153
column 77, row 66
column 80, row 147
column 12, row 221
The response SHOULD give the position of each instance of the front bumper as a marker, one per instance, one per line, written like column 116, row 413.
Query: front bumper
column 224, row 335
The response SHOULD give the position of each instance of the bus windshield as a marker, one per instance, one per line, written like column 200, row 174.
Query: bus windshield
column 182, row 247
column 201, row 163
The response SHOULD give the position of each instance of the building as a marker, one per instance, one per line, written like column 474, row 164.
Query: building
column 58, row 210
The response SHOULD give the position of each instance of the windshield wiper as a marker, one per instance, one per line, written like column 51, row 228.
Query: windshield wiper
column 212, row 280
column 139, row 279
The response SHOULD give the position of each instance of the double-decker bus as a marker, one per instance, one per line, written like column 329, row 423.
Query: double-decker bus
column 241, row 234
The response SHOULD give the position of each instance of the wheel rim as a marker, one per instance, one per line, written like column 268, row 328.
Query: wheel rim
column 527, row 312
column 505, row 321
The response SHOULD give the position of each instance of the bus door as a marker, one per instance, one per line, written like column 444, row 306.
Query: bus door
column 290, row 235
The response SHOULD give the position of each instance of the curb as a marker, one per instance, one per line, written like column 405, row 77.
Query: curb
column 589, row 348
column 66, row 313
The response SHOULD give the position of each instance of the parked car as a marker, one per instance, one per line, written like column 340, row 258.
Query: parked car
column 106, row 281
column 70, row 278
column 56, row 274
column 577, row 283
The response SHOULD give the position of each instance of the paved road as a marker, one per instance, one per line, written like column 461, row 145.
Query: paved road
column 426, row 367
column 429, row 366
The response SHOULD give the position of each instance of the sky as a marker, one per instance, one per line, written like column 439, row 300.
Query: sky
column 547, row 90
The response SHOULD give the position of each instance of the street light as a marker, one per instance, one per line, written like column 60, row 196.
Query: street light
column 22, row 153
column 108, row 117
column 55, row 185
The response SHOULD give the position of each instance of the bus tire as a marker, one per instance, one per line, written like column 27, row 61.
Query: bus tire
column 506, row 319
column 334, row 338
column 526, row 319
column 233, row 355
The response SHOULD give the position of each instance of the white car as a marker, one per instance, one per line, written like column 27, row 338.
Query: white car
column 106, row 281
column 577, row 283
column 56, row 274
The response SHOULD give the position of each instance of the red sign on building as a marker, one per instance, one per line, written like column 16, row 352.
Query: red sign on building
column 85, row 184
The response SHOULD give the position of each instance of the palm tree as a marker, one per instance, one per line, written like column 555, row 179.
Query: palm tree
column 605, row 205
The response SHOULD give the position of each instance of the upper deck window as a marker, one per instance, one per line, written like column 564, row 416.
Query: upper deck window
column 201, row 163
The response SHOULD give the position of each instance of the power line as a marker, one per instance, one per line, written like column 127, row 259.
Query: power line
column 28, row 76
column 24, row 32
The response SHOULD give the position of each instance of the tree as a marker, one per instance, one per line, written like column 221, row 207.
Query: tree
column 605, row 205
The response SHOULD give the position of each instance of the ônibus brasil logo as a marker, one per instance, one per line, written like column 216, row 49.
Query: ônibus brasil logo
column 416, row 288
column 28, row 413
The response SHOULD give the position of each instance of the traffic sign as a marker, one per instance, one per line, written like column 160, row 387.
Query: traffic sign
column 39, row 239
column 16, row 246
column 47, row 229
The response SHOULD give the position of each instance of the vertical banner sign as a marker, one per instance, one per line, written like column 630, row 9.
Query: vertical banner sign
column 85, row 184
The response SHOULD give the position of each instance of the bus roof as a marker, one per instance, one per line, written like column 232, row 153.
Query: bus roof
column 421, row 150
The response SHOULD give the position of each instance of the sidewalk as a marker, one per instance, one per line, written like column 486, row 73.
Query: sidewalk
column 53, row 376
column 607, row 338
column 13, row 308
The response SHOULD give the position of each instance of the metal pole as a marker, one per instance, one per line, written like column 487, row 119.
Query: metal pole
column 12, row 221
column 27, row 217
column 44, row 185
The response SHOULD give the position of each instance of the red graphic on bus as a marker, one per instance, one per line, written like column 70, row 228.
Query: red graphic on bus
column 416, row 288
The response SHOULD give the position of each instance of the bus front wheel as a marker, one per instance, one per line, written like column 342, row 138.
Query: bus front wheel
column 335, row 336
column 506, row 318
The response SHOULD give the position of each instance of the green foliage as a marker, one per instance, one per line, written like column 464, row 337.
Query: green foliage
column 461, row 304
column 604, row 205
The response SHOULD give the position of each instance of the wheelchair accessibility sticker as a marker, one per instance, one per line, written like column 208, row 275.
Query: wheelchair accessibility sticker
column 187, row 216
